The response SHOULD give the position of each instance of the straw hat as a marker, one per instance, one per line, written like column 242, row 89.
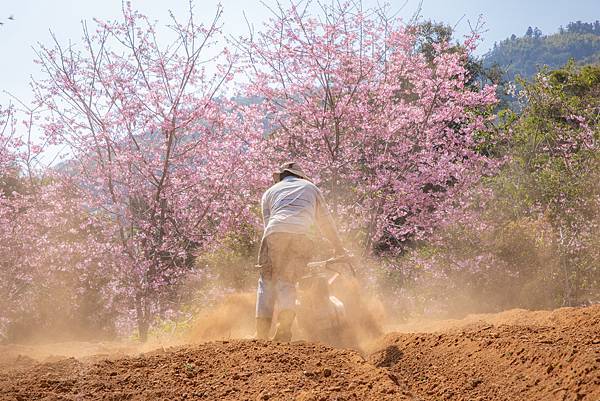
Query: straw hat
column 293, row 168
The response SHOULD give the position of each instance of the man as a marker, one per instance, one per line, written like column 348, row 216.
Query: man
column 290, row 208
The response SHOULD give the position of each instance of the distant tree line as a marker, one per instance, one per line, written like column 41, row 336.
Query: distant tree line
column 582, row 27
column 524, row 56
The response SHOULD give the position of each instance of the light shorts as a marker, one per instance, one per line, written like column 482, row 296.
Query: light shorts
column 271, row 291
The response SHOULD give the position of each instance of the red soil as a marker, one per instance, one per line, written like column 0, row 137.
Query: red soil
column 526, row 356
column 516, row 355
column 230, row 370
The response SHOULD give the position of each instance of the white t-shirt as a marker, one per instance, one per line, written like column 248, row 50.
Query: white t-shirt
column 293, row 205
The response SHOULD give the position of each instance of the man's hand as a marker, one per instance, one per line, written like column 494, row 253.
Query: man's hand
column 343, row 254
column 348, row 258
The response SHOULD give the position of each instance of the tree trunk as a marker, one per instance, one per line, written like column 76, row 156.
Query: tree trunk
column 142, row 317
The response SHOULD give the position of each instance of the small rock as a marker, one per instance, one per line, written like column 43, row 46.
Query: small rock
column 326, row 372
column 475, row 382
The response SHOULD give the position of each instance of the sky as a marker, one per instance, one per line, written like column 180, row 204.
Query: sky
column 34, row 18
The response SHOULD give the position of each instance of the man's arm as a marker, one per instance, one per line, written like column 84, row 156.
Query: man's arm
column 326, row 224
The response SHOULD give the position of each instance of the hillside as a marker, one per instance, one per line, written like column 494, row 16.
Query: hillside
column 523, row 56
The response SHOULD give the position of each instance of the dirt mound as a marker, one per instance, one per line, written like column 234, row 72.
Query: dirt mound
column 563, row 317
column 540, row 356
column 229, row 370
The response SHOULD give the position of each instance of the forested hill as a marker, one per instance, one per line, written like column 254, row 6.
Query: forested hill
column 524, row 55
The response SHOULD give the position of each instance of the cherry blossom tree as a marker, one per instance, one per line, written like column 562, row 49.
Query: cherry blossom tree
column 156, row 148
column 390, row 133
column 8, row 157
column 11, row 145
column 57, row 270
column 53, row 260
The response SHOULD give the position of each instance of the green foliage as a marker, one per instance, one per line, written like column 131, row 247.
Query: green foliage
column 231, row 263
column 429, row 34
column 555, row 141
column 556, row 147
column 523, row 56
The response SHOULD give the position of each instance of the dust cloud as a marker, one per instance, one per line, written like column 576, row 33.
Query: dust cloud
column 233, row 318
column 370, row 313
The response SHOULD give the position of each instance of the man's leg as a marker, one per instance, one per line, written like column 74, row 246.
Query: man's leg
column 286, row 300
column 297, row 254
column 265, row 302
column 284, row 285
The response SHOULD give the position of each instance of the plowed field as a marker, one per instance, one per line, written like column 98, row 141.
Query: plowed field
column 515, row 355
